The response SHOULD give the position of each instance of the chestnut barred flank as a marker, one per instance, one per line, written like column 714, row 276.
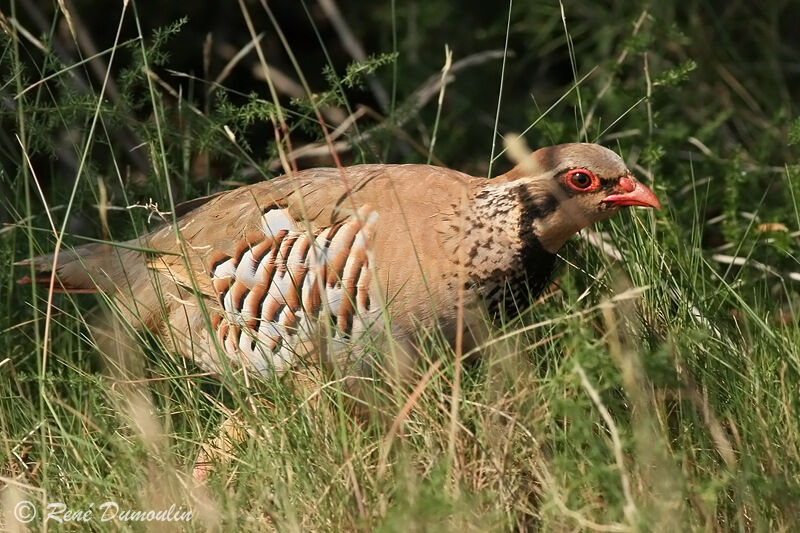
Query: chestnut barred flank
column 270, row 294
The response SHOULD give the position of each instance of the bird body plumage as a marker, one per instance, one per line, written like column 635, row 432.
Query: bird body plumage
column 346, row 257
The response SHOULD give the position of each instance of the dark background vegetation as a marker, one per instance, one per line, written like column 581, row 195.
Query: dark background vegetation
column 725, row 74
column 700, row 97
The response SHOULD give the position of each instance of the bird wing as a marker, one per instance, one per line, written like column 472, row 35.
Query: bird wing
column 226, row 225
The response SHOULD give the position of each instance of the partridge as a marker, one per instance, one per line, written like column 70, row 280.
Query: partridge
column 261, row 277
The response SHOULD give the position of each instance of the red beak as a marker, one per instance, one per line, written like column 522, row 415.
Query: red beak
column 634, row 193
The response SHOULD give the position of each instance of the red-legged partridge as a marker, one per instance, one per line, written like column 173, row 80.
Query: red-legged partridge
column 349, row 256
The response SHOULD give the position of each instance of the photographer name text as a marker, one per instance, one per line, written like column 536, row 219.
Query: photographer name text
column 25, row 512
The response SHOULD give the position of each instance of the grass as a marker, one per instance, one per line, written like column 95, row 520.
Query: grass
column 656, row 388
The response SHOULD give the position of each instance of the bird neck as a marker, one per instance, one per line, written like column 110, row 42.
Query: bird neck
column 501, row 248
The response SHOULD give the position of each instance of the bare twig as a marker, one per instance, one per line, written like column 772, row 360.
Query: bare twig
column 620, row 59
column 286, row 85
column 354, row 48
column 745, row 261
column 125, row 137
column 411, row 107
column 290, row 166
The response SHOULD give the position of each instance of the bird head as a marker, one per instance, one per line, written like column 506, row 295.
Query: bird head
column 568, row 187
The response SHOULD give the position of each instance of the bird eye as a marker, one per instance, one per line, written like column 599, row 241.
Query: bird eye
column 581, row 180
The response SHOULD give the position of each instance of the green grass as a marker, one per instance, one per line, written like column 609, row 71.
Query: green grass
column 656, row 388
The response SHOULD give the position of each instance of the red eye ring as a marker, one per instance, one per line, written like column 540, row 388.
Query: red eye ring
column 581, row 180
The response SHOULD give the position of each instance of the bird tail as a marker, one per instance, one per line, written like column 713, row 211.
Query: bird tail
column 119, row 270
column 89, row 268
